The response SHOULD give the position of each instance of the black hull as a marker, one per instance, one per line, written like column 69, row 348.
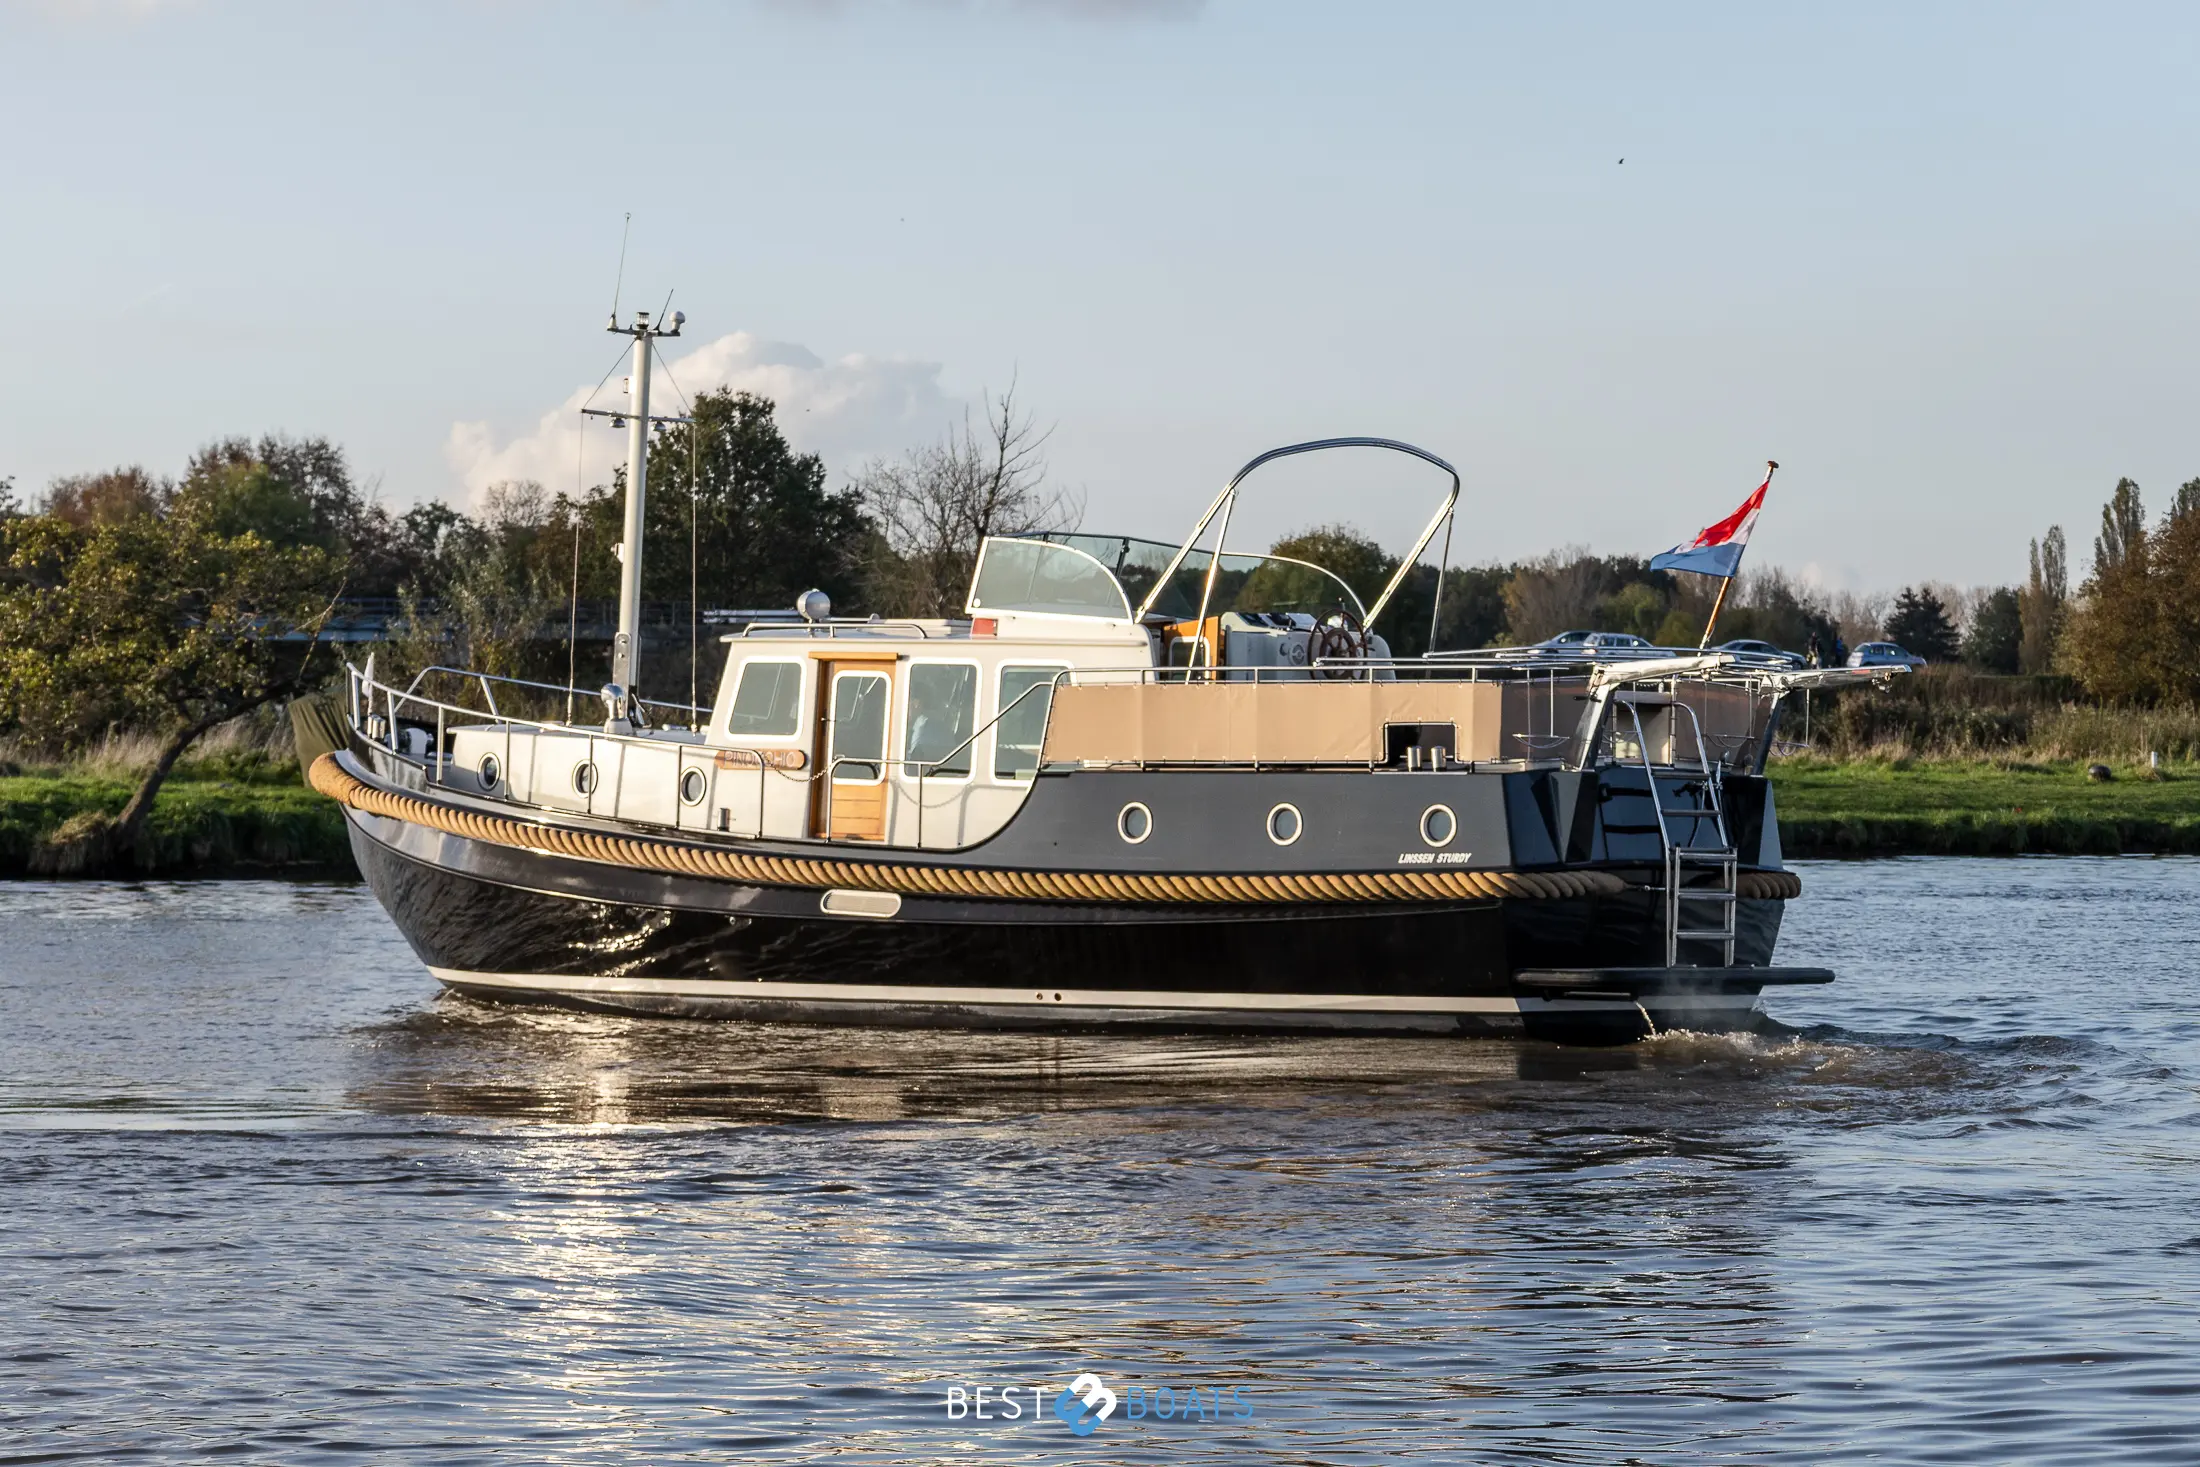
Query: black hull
column 512, row 924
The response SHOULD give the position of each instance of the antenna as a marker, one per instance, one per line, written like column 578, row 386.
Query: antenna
column 626, row 644
column 624, row 230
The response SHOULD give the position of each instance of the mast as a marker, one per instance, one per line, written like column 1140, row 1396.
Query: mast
column 626, row 645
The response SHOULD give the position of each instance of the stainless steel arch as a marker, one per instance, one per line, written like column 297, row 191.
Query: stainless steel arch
column 1226, row 501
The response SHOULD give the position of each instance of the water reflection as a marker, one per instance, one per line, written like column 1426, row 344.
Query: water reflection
column 1572, row 1244
column 461, row 1057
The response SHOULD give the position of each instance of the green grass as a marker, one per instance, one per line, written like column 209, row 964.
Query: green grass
column 214, row 818
column 1982, row 807
column 199, row 824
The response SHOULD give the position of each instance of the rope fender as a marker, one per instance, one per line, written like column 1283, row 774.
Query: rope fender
column 1777, row 886
column 331, row 779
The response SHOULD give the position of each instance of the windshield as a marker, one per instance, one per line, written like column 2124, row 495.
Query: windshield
column 1244, row 582
column 1052, row 579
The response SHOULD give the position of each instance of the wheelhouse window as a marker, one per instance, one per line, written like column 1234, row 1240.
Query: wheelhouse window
column 767, row 703
column 943, row 709
column 1025, row 694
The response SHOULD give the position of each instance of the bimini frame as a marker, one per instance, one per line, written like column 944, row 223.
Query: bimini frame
column 1226, row 502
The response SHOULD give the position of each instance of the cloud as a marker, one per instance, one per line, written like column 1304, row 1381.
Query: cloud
column 847, row 410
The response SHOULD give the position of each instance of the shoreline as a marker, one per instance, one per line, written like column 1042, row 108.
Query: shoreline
column 199, row 827
column 1978, row 807
column 272, row 825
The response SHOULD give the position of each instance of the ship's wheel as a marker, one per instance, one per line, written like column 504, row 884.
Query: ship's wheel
column 1340, row 637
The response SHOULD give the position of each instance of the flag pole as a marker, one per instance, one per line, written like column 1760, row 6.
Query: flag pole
column 1724, row 582
column 1771, row 467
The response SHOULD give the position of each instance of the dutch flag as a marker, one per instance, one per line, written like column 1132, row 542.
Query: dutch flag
column 1717, row 551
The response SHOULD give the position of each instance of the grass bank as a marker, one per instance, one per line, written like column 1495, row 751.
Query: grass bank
column 236, row 805
column 1982, row 807
column 198, row 826
column 245, row 813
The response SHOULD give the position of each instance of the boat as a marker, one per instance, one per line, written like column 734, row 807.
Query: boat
column 1135, row 784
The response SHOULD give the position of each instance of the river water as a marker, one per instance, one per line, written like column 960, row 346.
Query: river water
column 267, row 1195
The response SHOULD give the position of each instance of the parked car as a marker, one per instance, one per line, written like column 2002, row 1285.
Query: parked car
column 1884, row 654
column 1751, row 647
column 1574, row 641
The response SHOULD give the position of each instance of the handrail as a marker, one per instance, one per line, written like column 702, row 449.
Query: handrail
column 808, row 630
column 1227, row 500
column 932, row 766
column 486, row 678
column 690, row 749
column 361, row 687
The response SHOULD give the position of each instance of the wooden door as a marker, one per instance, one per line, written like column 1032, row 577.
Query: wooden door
column 855, row 721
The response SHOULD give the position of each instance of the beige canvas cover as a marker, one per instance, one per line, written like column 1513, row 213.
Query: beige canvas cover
column 1263, row 723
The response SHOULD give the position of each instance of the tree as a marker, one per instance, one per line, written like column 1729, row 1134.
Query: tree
column 1858, row 615
column 764, row 528
column 2123, row 527
column 2173, row 571
column 1555, row 593
column 300, row 491
column 156, row 622
column 494, row 600
column 2134, row 633
column 1341, row 550
column 1473, row 610
column 1919, row 623
column 2186, row 501
column 292, row 491
column 1471, row 613
column 85, row 500
column 432, row 539
column 1996, row 634
column 2040, row 604
column 249, row 498
column 1637, row 607
column 1771, row 606
column 2109, row 638
column 935, row 505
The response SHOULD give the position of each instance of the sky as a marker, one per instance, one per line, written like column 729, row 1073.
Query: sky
column 1942, row 261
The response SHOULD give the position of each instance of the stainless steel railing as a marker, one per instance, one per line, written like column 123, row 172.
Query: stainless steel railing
column 380, row 710
column 384, row 727
column 484, row 680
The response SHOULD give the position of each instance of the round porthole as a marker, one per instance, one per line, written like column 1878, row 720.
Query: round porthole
column 1135, row 823
column 491, row 771
column 584, row 779
column 1438, row 825
column 1284, row 824
column 693, row 787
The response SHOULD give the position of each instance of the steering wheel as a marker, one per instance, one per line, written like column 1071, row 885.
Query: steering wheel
column 1341, row 636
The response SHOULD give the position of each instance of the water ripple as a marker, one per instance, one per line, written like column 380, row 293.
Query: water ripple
column 270, row 1197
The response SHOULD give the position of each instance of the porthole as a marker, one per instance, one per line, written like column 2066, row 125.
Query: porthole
column 1135, row 823
column 584, row 778
column 1284, row 824
column 491, row 771
column 1438, row 825
column 693, row 787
